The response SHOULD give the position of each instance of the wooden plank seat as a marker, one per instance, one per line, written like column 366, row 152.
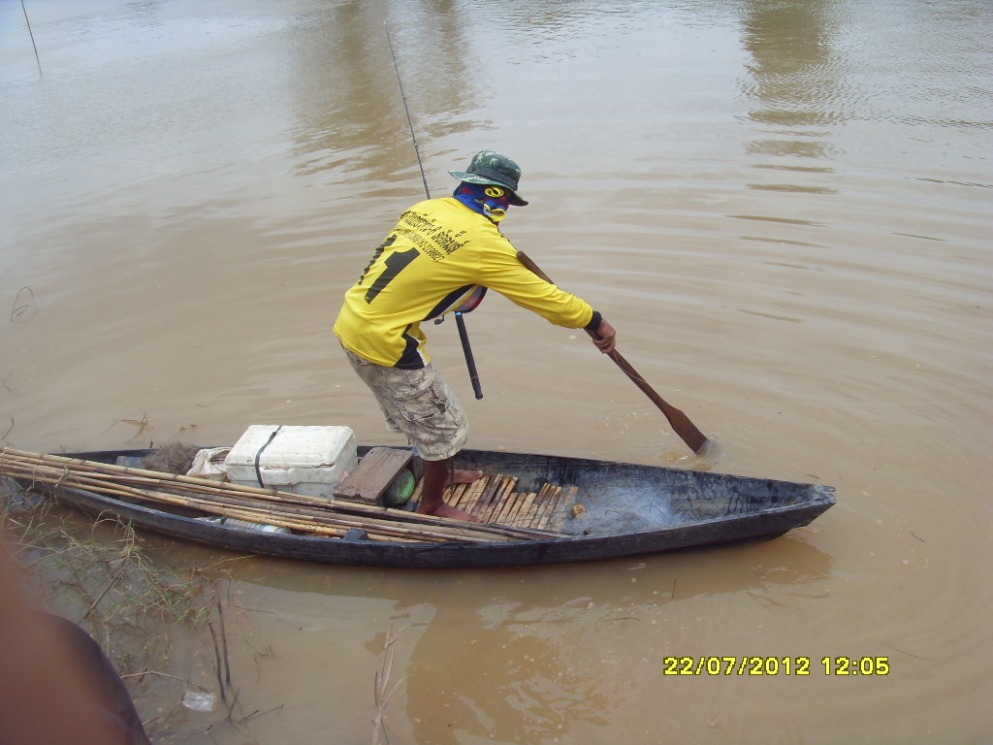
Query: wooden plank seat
column 374, row 474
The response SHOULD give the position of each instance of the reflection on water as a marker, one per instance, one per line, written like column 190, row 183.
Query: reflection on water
column 513, row 679
column 515, row 658
column 782, row 207
column 358, row 128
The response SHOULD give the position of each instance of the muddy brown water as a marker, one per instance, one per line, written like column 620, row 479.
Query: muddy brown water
column 784, row 209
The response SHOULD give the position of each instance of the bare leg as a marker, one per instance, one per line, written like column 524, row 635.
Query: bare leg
column 436, row 474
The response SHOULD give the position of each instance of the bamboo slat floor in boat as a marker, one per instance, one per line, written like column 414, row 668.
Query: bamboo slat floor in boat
column 493, row 499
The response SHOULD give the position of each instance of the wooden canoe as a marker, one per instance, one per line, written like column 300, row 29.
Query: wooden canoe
column 537, row 509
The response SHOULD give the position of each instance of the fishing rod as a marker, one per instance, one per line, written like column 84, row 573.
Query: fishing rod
column 31, row 33
column 459, row 320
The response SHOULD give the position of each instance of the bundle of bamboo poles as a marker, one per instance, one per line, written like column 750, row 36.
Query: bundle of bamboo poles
column 298, row 512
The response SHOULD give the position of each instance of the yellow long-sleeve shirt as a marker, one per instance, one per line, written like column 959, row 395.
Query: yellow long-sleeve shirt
column 438, row 253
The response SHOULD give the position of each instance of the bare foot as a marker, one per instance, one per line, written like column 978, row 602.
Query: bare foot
column 445, row 510
column 465, row 477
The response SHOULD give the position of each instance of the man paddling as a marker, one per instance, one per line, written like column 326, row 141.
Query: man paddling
column 442, row 256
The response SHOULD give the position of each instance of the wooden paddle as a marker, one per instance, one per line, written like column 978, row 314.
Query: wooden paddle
column 681, row 424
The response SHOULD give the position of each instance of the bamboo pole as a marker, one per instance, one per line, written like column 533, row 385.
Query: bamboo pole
column 266, row 504
column 179, row 480
column 266, row 514
column 299, row 519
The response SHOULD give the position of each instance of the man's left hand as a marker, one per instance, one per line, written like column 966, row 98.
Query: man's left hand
column 605, row 337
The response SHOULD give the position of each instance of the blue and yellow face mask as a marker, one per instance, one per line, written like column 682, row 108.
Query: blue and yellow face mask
column 486, row 199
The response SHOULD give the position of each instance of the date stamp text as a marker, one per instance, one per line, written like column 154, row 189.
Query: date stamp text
column 773, row 666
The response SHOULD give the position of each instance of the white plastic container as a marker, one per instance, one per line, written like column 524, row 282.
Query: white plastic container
column 302, row 460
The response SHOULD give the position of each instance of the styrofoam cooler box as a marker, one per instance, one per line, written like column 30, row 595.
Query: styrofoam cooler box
column 303, row 460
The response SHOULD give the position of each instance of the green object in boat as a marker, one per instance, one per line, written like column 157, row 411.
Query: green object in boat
column 401, row 490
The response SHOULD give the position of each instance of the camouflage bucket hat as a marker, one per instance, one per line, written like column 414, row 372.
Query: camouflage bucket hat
column 489, row 167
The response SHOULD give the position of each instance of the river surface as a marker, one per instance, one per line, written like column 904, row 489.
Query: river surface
column 784, row 208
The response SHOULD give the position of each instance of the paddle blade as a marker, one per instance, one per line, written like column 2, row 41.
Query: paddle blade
column 680, row 423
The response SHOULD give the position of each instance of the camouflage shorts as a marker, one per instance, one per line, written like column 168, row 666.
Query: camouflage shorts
column 419, row 404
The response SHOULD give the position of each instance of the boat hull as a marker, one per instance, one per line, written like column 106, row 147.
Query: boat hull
column 627, row 510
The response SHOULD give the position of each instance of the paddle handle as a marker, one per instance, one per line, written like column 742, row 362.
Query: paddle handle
column 680, row 423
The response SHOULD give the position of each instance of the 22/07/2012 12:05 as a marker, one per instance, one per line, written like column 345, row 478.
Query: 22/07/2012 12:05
column 734, row 665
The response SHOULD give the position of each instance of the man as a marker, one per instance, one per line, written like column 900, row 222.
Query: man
column 443, row 254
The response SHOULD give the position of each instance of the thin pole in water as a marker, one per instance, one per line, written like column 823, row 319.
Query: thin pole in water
column 31, row 33
column 459, row 320
column 410, row 122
